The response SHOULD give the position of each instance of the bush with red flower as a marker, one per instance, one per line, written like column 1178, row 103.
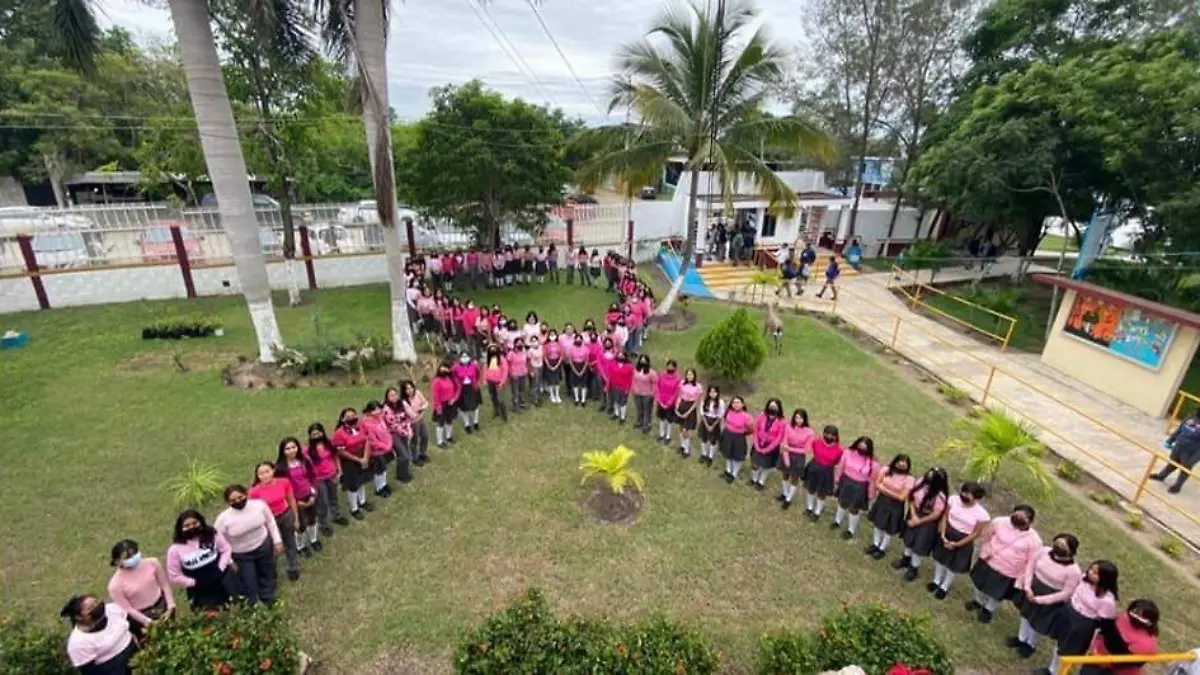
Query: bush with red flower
column 243, row 639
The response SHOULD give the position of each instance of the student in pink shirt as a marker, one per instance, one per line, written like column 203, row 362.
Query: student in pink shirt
column 100, row 640
column 468, row 375
column 552, row 367
column 595, row 351
column 443, row 394
column 140, row 587
column 1007, row 547
column 666, row 395
column 769, row 430
column 326, row 473
column 620, row 382
column 1093, row 600
column 687, row 411
column 536, row 356
column 793, row 451
column 604, row 362
column 472, row 262
column 736, row 425
column 1134, row 632
column 427, row 308
column 483, row 331
column 495, row 374
column 887, row 514
column 819, row 481
column 577, row 369
column 350, row 442
column 415, row 405
column 644, row 381
column 277, row 494
column 199, row 560
column 855, row 477
column 964, row 522
column 255, row 541
column 518, row 374
column 380, row 447
column 1043, row 590
column 293, row 466
column 396, row 420
column 926, row 505
column 712, row 412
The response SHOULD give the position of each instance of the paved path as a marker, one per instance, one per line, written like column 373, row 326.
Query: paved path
column 1030, row 390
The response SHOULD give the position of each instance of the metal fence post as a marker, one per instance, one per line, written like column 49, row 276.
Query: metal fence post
column 185, row 263
column 306, row 251
column 987, row 388
column 629, row 248
column 916, row 299
column 570, row 234
column 895, row 332
column 1137, row 494
column 31, row 265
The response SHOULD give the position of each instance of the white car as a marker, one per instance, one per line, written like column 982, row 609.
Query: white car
column 30, row 219
column 326, row 239
column 58, row 250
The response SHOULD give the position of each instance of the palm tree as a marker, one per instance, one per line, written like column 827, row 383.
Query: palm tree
column 356, row 32
column 993, row 441
column 76, row 22
column 702, row 94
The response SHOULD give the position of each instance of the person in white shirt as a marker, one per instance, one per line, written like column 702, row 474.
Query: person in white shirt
column 100, row 642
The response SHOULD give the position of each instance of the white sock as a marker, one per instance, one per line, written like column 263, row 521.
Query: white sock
column 876, row 537
column 312, row 533
column 437, row 432
column 949, row 579
column 621, row 411
column 475, row 417
column 854, row 518
column 737, row 468
column 378, row 479
column 820, row 506
column 810, row 502
column 352, row 501
column 729, row 466
column 939, row 573
column 838, row 515
column 1026, row 633
column 754, row 475
column 687, row 444
column 915, row 561
column 1054, row 661
column 884, row 540
column 989, row 603
column 466, row 419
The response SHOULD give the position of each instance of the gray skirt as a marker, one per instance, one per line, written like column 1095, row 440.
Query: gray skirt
column 764, row 460
column 1041, row 617
column 957, row 560
column 853, row 495
column 818, row 479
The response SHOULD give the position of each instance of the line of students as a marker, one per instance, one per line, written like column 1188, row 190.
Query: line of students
column 512, row 264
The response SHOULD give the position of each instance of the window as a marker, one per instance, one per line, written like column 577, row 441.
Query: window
column 768, row 224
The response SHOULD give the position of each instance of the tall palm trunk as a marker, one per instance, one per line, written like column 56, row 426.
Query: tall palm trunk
column 371, row 46
column 689, row 247
column 226, row 166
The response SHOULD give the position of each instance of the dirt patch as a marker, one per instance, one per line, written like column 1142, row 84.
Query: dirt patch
column 249, row 374
column 602, row 505
column 403, row 661
column 743, row 388
column 177, row 360
column 679, row 319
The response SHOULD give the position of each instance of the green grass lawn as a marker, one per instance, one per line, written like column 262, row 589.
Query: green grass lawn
column 95, row 420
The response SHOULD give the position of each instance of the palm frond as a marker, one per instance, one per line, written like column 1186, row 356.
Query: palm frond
column 285, row 26
column 75, row 25
column 996, row 440
column 196, row 486
column 613, row 467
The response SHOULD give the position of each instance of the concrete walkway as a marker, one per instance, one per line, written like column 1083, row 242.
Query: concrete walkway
column 1070, row 417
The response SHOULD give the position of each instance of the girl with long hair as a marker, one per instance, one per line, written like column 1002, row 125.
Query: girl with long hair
column 926, row 506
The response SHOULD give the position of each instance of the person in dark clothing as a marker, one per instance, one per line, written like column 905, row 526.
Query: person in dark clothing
column 1184, row 444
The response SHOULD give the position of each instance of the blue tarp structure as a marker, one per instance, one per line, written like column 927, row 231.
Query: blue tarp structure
column 693, row 283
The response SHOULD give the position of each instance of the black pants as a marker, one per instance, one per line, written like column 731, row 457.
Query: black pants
column 497, row 401
column 419, row 443
column 645, row 410
column 1184, row 457
column 257, row 573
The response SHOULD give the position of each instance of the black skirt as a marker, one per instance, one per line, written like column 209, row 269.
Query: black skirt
column 665, row 414
column 1073, row 631
column 818, row 479
column 957, row 560
column 1041, row 617
column 429, row 324
column 853, row 495
column 707, row 436
column 764, row 460
column 469, row 399
column 511, row 267
column 539, row 267
column 923, row 539
column 992, row 583
column 527, row 266
column 379, row 463
column 552, row 375
column 353, row 475
column 733, row 445
column 575, row 379
column 449, row 412
column 688, row 415
column 887, row 514
column 795, row 468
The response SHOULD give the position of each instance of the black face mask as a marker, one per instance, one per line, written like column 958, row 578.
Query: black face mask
column 1061, row 556
column 238, row 504
column 352, row 422
column 1019, row 522
column 830, row 439
column 190, row 532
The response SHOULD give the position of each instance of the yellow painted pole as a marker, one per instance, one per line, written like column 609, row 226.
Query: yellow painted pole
column 1137, row 495
column 916, row 294
column 1065, row 663
column 987, row 388
column 895, row 331
column 1174, row 418
column 1008, row 336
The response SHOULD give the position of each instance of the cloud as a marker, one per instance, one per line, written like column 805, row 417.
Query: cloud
column 433, row 42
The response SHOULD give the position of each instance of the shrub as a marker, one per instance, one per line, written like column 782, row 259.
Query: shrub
column 613, row 468
column 195, row 487
column 1069, row 471
column 788, row 653
column 953, row 394
column 1171, row 545
column 926, row 255
column 993, row 441
column 733, row 349
column 28, row 648
column 242, row 639
column 526, row 637
column 1105, row 499
column 1135, row 521
column 180, row 328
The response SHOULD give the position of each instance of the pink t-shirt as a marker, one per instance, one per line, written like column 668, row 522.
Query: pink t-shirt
column 918, row 497
column 324, row 462
column 826, row 454
column 1055, row 575
column 190, row 555
column 899, row 483
column 518, row 363
column 643, row 383
column 139, row 588
column 101, row 646
column 298, row 476
column 768, row 433
column 578, row 354
column 690, row 392
column 965, row 518
column 379, row 437
column 275, row 495
column 1139, row 640
column 858, row 467
column 1085, row 601
column 353, row 440
column 1007, row 549
column 798, row 440
column 738, row 421
column 666, row 389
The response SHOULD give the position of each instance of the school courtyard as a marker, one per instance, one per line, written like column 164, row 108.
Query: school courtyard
column 96, row 420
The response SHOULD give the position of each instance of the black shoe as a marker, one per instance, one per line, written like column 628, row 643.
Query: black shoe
column 368, row 507
column 901, row 563
column 879, row 554
column 451, row 440
column 1024, row 651
column 847, row 535
column 645, row 431
column 326, row 531
column 940, row 594
column 476, row 427
column 387, row 490
column 780, row 498
column 306, row 552
column 729, row 478
column 931, row 587
column 1012, row 642
column 785, row 505
column 621, row 421
column 1158, row 477
column 984, row 616
column 357, row 515
column 814, row 516
column 911, row 574
column 972, row 606
column 467, row 429
column 1174, row 489
column 382, row 494
column 340, row 520
column 317, row 546
column 760, row 486
column 751, row 484
column 440, row 446
column 294, row 575
column 834, row 525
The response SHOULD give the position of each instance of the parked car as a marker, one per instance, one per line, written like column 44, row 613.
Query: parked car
column 328, row 238
column 272, row 242
column 30, row 219
column 580, row 198
column 62, row 249
column 649, row 192
column 364, row 211
column 259, row 201
column 157, row 245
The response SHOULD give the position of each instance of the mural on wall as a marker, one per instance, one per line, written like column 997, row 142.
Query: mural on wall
column 1125, row 331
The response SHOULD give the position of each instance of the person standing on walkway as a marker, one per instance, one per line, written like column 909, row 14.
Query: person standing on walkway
column 736, row 242
column 1184, row 444
column 255, row 540
column 832, row 272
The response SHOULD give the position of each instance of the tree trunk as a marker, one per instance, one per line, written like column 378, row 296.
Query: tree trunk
column 289, row 240
column 371, row 43
column 689, row 247
column 54, row 175
column 226, row 166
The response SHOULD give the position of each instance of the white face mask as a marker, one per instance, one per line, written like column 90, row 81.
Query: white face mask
column 132, row 561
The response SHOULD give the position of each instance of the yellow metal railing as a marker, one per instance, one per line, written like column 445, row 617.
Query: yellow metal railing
column 1181, row 399
column 1066, row 663
column 915, row 298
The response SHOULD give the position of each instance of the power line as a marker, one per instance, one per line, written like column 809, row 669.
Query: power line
column 505, row 44
column 563, row 56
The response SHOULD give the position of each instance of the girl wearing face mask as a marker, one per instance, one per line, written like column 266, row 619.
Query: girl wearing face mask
column 712, row 412
column 443, row 393
column 427, row 307
column 687, row 411
column 1007, row 547
column 468, row 374
column 254, row 539
column 277, row 494
column 596, row 352
column 396, row 421
column 532, row 325
column 415, row 405
column 963, row 523
column 495, row 373
column 468, row 320
column 793, row 452
column 577, row 369
column 326, row 473
column 292, row 466
column 855, row 477
column 604, row 362
column 351, row 444
column 198, row 560
column 518, row 374
column 140, row 587
column 1093, row 600
column 620, row 383
column 645, row 380
column 736, row 423
column 819, row 474
column 666, row 395
column 483, row 331
column 537, row 362
column 1134, row 632
column 769, row 430
column 892, row 487
column 552, row 368
column 380, row 447
column 1043, row 589
column 100, row 640
column 926, row 505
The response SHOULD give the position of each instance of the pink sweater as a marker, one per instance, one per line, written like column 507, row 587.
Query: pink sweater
column 518, row 363
column 690, row 392
column 738, row 421
column 190, row 555
column 768, row 439
column 1063, row 577
column 248, row 528
column 1007, row 549
column 798, row 440
column 443, row 390
column 643, row 383
column 666, row 389
column 620, row 376
column 415, row 407
column 496, row 373
column 578, row 354
column 1085, row 601
column 858, row 467
column 379, row 437
column 136, row 589
column 467, row 375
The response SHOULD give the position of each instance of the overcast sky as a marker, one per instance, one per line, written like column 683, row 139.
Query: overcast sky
column 433, row 42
